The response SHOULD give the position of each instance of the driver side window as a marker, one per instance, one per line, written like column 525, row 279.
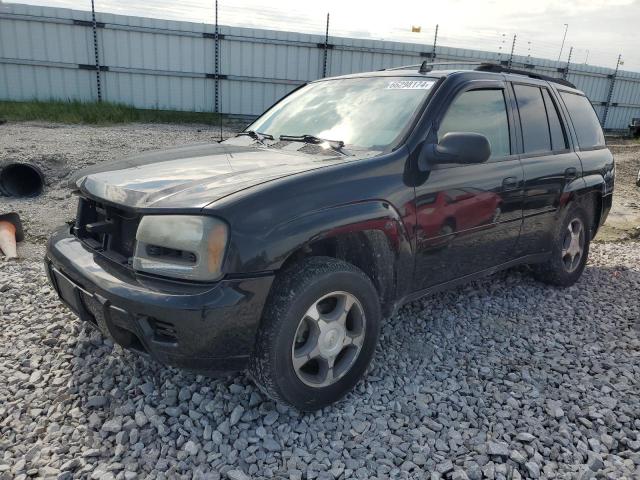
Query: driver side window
column 480, row 111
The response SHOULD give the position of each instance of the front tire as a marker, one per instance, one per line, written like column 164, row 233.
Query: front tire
column 318, row 333
column 570, row 250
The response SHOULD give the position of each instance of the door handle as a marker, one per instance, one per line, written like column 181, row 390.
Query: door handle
column 510, row 183
column 571, row 172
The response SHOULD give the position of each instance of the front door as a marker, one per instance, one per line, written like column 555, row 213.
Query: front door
column 468, row 217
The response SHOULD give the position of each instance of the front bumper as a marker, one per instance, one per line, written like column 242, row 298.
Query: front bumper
column 205, row 328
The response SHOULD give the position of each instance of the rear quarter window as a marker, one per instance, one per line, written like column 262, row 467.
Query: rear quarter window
column 584, row 119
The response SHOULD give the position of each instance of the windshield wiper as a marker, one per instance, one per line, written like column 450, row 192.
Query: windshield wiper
column 336, row 145
column 257, row 136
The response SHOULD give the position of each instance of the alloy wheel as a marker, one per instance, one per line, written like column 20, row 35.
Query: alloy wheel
column 328, row 339
column 573, row 245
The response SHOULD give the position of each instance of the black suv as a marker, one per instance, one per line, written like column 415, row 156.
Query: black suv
column 282, row 249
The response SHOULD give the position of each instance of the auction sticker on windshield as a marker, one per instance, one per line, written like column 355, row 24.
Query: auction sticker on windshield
column 410, row 85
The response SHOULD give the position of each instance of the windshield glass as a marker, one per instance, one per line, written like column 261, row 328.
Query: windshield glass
column 362, row 112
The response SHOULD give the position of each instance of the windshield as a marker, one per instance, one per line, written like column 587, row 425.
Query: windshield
column 362, row 112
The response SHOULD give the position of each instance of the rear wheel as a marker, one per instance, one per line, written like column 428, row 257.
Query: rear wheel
column 318, row 333
column 570, row 250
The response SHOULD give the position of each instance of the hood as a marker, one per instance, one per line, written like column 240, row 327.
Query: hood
column 194, row 176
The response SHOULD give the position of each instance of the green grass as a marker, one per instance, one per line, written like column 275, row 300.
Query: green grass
column 96, row 113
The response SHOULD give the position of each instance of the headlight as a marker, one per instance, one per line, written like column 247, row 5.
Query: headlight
column 181, row 246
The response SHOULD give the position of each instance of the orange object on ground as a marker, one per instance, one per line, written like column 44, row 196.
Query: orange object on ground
column 10, row 233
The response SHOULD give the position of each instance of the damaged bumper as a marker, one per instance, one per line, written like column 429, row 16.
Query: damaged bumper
column 205, row 328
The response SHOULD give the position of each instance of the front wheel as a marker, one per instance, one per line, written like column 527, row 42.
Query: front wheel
column 318, row 333
column 569, row 251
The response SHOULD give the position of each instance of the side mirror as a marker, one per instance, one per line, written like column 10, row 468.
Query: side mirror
column 456, row 147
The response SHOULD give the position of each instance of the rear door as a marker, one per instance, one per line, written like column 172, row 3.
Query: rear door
column 549, row 164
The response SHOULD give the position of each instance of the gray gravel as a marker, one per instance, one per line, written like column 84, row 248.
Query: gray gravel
column 503, row 378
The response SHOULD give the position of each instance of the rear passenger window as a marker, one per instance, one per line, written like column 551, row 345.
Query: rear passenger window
column 480, row 111
column 533, row 118
column 558, row 140
column 584, row 120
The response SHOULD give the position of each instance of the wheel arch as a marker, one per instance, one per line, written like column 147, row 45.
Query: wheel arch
column 589, row 192
column 369, row 235
column 450, row 220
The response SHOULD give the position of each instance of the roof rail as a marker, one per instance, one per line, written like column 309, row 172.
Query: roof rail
column 426, row 66
column 495, row 68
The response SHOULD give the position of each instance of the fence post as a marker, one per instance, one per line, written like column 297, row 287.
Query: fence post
column 326, row 48
column 513, row 47
column 216, row 63
column 435, row 42
column 95, row 49
column 566, row 69
column 610, row 94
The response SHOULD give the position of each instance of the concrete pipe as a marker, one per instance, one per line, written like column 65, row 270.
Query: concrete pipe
column 21, row 180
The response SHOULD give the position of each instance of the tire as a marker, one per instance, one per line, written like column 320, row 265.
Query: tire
column 289, row 331
column 564, row 269
column 448, row 227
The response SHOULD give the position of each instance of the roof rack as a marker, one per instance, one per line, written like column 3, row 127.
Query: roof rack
column 495, row 68
column 426, row 67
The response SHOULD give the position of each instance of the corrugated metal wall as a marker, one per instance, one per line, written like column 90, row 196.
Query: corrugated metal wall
column 47, row 53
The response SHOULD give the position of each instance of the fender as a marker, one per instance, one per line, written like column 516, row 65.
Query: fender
column 599, row 177
column 371, row 234
column 570, row 191
column 595, row 183
column 583, row 190
column 580, row 187
column 602, row 187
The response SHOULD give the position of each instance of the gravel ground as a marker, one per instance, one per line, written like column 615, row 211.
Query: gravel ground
column 624, row 219
column 503, row 378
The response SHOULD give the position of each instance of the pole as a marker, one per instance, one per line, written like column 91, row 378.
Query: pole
column 586, row 59
column 216, row 66
column 216, row 63
column 566, row 69
column 513, row 47
column 95, row 50
column 326, row 48
column 610, row 94
column 566, row 27
column 435, row 42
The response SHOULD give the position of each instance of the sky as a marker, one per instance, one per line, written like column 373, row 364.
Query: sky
column 598, row 30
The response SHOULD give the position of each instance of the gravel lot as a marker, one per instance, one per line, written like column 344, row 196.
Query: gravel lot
column 504, row 378
column 624, row 220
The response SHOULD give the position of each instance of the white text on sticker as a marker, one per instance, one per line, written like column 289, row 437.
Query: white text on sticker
column 410, row 85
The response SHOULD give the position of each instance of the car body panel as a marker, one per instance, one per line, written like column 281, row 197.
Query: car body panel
column 195, row 181
column 471, row 234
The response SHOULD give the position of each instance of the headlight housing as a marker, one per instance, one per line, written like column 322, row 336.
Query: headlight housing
column 189, row 247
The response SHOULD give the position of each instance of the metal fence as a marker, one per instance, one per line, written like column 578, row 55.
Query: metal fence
column 55, row 53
